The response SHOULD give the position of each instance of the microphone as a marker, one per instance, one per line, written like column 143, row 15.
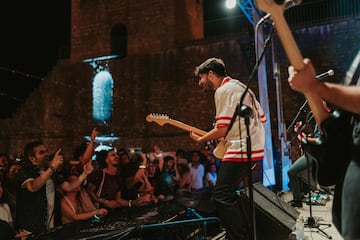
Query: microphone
column 325, row 74
column 288, row 4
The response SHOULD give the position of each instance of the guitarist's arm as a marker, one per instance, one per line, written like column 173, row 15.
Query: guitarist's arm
column 304, row 81
column 214, row 134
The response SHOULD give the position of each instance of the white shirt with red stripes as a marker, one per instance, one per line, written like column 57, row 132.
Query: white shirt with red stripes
column 227, row 96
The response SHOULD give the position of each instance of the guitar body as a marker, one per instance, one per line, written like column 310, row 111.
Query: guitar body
column 331, row 153
column 221, row 148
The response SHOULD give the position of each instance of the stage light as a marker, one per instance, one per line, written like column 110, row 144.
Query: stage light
column 103, row 85
column 230, row 4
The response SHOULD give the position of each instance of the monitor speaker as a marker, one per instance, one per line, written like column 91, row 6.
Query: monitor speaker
column 274, row 218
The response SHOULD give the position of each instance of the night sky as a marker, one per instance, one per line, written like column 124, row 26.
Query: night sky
column 32, row 33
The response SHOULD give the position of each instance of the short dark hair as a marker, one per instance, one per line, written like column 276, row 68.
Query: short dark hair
column 79, row 150
column 29, row 149
column 102, row 155
column 168, row 158
column 216, row 65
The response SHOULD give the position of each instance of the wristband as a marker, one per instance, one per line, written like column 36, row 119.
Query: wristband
column 142, row 166
column 129, row 203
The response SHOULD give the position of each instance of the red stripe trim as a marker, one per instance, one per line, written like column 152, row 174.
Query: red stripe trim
column 244, row 152
column 220, row 125
column 225, row 80
column 242, row 159
column 223, row 118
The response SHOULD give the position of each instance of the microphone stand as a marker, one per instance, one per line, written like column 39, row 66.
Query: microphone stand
column 246, row 112
column 310, row 221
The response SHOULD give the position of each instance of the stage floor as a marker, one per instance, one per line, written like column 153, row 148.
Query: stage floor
column 319, row 212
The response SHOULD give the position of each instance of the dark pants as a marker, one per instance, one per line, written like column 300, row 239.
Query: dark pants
column 350, row 210
column 231, row 210
column 295, row 183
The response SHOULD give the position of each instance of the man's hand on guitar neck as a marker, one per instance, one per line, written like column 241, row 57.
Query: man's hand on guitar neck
column 304, row 80
column 195, row 137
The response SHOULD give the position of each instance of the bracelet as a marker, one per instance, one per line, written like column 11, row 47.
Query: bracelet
column 142, row 166
column 96, row 218
column 129, row 203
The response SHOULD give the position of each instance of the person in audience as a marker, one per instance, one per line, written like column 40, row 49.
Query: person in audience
column 6, row 231
column 211, row 176
column 152, row 172
column 77, row 205
column 180, row 157
column 106, row 184
column 156, row 154
column 36, row 199
column 12, row 186
column 4, row 165
column 5, row 213
column 184, row 181
column 124, row 160
column 83, row 154
column 138, row 189
column 197, row 171
column 167, row 181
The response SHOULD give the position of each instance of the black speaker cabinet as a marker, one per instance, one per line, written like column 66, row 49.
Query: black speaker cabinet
column 275, row 218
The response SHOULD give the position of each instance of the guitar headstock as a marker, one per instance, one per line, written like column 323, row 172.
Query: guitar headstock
column 160, row 119
column 271, row 6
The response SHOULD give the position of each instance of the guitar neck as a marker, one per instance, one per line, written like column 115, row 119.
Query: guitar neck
column 296, row 59
column 186, row 127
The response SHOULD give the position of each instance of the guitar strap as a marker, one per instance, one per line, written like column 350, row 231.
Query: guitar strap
column 350, row 76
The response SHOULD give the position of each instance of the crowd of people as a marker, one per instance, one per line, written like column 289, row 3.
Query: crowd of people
column 40, row 191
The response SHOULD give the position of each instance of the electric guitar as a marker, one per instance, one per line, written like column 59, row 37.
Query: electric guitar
column 335, row 126
column 162, row 119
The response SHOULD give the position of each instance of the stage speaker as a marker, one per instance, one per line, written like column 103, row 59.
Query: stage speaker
column 274, row 218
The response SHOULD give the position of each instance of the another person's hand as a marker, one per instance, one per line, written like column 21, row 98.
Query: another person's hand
column 112, row 204
column 58, row 159
column 94, row 134
column 101, row 212
column 88, row 168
